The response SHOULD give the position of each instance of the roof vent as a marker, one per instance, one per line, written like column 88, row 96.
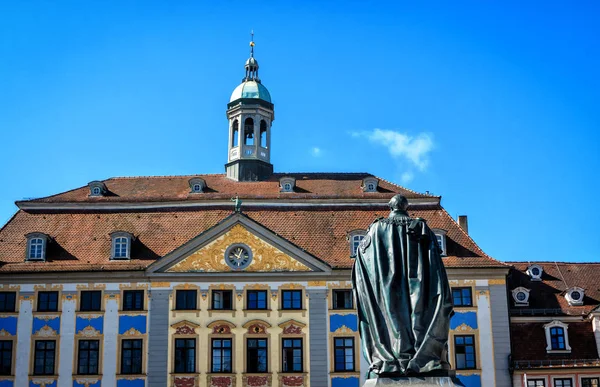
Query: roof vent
column 575, row 296
column 370, row 184
column 535, row 272
column 197, row 185
column 97, row 188
column 287, row 184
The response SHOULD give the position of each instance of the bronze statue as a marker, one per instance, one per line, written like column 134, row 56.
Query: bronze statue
column 403, row 297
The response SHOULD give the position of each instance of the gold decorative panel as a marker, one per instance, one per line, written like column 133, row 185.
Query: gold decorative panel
column 211, row 258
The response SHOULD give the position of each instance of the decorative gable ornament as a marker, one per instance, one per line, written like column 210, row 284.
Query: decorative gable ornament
column 521, row 296
column 575, row 296
column 535, row 272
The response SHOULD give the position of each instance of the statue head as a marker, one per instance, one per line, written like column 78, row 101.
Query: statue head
column 398, row 203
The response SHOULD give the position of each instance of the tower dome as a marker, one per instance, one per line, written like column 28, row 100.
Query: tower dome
column 250, row 89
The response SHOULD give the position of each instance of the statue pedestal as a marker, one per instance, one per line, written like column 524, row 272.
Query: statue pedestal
column 427, row 381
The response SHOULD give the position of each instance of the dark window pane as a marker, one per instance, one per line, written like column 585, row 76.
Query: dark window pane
column 47, row 302
column 133, row 300
column 6, row 357
column 292, row 355
column 90, row 300
column 44, row 358
column 7, row 301
column 464, row 349
column 185, row 355
column 186, row 299
column 342, row 299
column 256, row 360
column 221, row 355
column 462, row 297
column 222, row 299
column 344, row 354
column 256, row 299
column 292, row 299
column 131, row 356
column 88, row 357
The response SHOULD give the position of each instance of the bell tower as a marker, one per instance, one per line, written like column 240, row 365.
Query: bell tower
column 250, row 114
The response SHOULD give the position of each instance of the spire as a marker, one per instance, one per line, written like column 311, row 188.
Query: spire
column 251, row 64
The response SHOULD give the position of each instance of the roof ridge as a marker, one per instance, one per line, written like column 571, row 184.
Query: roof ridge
column 408, row 189
column 161, row 176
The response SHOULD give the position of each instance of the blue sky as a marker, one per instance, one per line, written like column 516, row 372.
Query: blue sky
column 493, row 105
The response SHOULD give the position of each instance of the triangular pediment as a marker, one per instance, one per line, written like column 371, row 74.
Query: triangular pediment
column 269, row 253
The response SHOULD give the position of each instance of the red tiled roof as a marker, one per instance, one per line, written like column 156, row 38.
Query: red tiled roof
column 81, row 240
column 557, row 277
column 176, row 188
column 529, row 342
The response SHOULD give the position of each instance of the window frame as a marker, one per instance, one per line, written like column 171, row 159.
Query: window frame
column 257, row 292
column 119, row 238
column 133, row 308
column 285, row 350
column 535, row 382
column 253, row 367
column 221, row 350
column 91, row 292
column 440, row 236
column 588, row 379
column 3, row 304
column 354, row 239
column 461, row 289
column 292, row 292
column 183, row 352
column 222, row 291
column 43, row 244
column 548, row 330
column 344, row 347
column 186, row 299
column 46, row 358
column 98, row 356
column 11, row 359
column 133, row 351
column 334, row 304
column 562, row 380
column 473, row 344
column 46, row 308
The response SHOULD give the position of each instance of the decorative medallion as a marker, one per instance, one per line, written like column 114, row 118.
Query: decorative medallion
column 292, row 330
column 184, row 381
column 46, row 331
column 89, row 331
column 132, row 332
column 185, row 330
column 222, row 329
column 257, row 381
column 220, row 381
column 292, row 381
column 256, row 329
column 238, row 256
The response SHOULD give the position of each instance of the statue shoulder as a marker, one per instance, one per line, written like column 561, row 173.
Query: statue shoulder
column 374, row 223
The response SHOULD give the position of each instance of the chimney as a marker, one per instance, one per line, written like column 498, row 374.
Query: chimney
column 463, row 223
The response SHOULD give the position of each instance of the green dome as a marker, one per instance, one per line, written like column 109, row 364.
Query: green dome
column 250, row 89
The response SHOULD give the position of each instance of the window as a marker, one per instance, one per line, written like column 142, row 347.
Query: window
column 90, row 300
column 185, row 356
column 87, row 358
column 248, row 131
column 221, row 355
column 7, row 301
column 575, row 296
column 557, row 338
column 235, row 134
column 43, row 363
column 120, row 247
column 440, row 236
column 355, row 243
column 221, row 299
column 47, row 302
column 563, row 382
column 256, row 359
column 287, row 183
column 6, row 347
column 535, row 383
column 197, row 185
column 97, row 188
column 133, row 300
column 535, row 272
column 186, row 299
column 292, row 299
column 462, row 297
column 369, row 184
column 344, row 354
column 590, row 382
column 521, row 296
column 131, row 357
column 292, row 355
column 287, row 187
column 464, row 348
column 96, row 191
column 342, row 299
column 256, row 299
column 35, row 248
column 263, row 133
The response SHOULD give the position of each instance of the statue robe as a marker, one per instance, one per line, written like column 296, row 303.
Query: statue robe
column 403, row 298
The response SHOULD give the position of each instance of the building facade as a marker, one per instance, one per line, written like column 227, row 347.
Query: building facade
column 555, row 324
column 227, row 280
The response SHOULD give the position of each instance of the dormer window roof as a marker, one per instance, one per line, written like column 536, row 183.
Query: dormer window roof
column 521, row 296
column 370, row 184
column 287, row 184
column 197, row 185
column 575, row 296
column 441, row 239
column 97, row 188
column 36, row 246
column 121, row 245
column 535, row 272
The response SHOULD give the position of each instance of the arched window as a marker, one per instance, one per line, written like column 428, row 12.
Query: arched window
column 249, row 131
column 96, row 191
column 36, row 248
column 263, row 133
column 235, row 134
column 121, row 245
column 355, row 237
column 557, row 338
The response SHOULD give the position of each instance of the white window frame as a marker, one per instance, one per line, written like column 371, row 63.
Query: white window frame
column 518, row 290
column 31, row 238
column 570, row 300
column 566, row 376
column 370, row 184
column 355, row 236
column 565, row 327
column 197, row 185
column 116, row 238
column 535, row 277
column 441, row 234
column 287, row 184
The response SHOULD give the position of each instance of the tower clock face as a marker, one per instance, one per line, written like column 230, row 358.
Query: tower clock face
column 238, row 256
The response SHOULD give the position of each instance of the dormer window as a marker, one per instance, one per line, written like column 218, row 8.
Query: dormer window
column 97, row 188
column 121, row 245
column 370, row 184
column 575, row 296
column 287, row 184
column 440, row 235
column 197, row 185
column 557, row 338
column 355, row 237
column 535, row 272
column 36, row 246
column 521, row 296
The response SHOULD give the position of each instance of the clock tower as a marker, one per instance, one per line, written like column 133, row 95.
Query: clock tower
column 250, row 114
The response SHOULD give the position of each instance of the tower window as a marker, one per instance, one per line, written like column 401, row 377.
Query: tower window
column 235, row 134
column 249, row 131
column 263, row 133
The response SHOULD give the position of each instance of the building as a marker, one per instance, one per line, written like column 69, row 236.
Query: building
column 165, row 281
column 555, row 324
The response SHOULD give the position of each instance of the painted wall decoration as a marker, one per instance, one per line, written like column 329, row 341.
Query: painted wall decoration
column 86, row 323
column 337, row 321
column 42, row 382
column 352, row 381
column 470, row 380
column 48, row 325
column 132, row 323
column 467, row 318
column 131, row 383
column 210, row 258
column 8, row 326
column 87, row 382
column 6, row 383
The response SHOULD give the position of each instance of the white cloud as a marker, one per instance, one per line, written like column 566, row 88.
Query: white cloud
column 316, row 152
column 400, row 145
column 407, row 177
